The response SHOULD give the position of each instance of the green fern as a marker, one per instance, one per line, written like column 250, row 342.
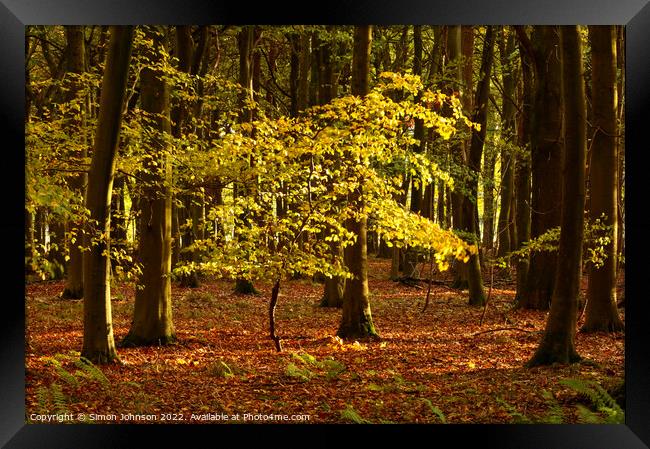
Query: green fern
column 301, row 373
column 435, row 410
column 305, row 361
column 91, row 372
column 61, row 372
column 350, row 414
column 517, row 417
column 332, row 367
column 601, row 400
column 305, row 358
column 59, row 399
column 587, row 416
column 555, row 414
column 43, row 398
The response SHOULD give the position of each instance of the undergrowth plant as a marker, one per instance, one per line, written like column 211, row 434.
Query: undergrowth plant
column 349, row 414
column 306, row 367
column 607, row 411
column 602, row 409
column 52, row 399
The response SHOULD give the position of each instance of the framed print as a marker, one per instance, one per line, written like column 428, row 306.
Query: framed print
column 245, row 182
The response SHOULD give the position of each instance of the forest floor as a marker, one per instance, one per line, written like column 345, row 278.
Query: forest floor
column 435, row 366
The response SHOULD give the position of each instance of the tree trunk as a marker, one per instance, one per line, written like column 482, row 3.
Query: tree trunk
column 411, row 256
column 245, row 41
column 75, row 64
column 620, row 130
column 56, row 250
column 558, row 342
column 179, row 115
column 601, row 313
column 356, row 320
column 455, row 50
column 476, row 293
column 488, row 200
column 522, row 178
column 152, row 313
column 507, row 47
column 546, row 152
column 334, row 286
column 98, row 341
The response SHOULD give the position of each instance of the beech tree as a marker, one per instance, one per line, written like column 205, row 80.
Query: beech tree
column 356, row 320
column 558, row 342
column 98, row 340
column 75, row 67
column 507, row 47
column 522, row 172
column 475, row 282
column 601, row 310
column 546, row 150
column 246, row 42
column 152, row 313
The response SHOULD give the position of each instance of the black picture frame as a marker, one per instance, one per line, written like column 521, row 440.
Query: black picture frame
column 15, row 14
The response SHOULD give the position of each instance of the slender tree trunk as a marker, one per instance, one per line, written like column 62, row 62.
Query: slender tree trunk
column 191, row 207
column 75, row 64
column 411, row 256
column 546, row 151
column 118, row 214
column 522, row 179
column 558, row 342
column 488, row 200
column 98, row 341
column 152, row 313
column 620, row 130
column 245, row 40
column 455, row 50
column 601, row 313
column 356, row 320
column 56, row 252
column 335, row 286
column 476, row 293
column 304, row 71
column 507, row 47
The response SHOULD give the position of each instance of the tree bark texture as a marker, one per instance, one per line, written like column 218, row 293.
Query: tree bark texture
column 558, row 342
column 98, row 341
column 152, row 314
column 601, row 312
column 356, row 321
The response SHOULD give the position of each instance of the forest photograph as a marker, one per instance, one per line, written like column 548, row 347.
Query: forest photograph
column 325, row 224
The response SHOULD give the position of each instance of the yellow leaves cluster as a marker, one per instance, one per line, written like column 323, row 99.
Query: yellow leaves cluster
column 337, row 344
column 400, row 227
column 311, row 164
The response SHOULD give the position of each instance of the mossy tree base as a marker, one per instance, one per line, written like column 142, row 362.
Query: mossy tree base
column 101, row 357
column 555, row 348
column 131, row 341
column 362, row 331
column 477, row 300
column 244, row 287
